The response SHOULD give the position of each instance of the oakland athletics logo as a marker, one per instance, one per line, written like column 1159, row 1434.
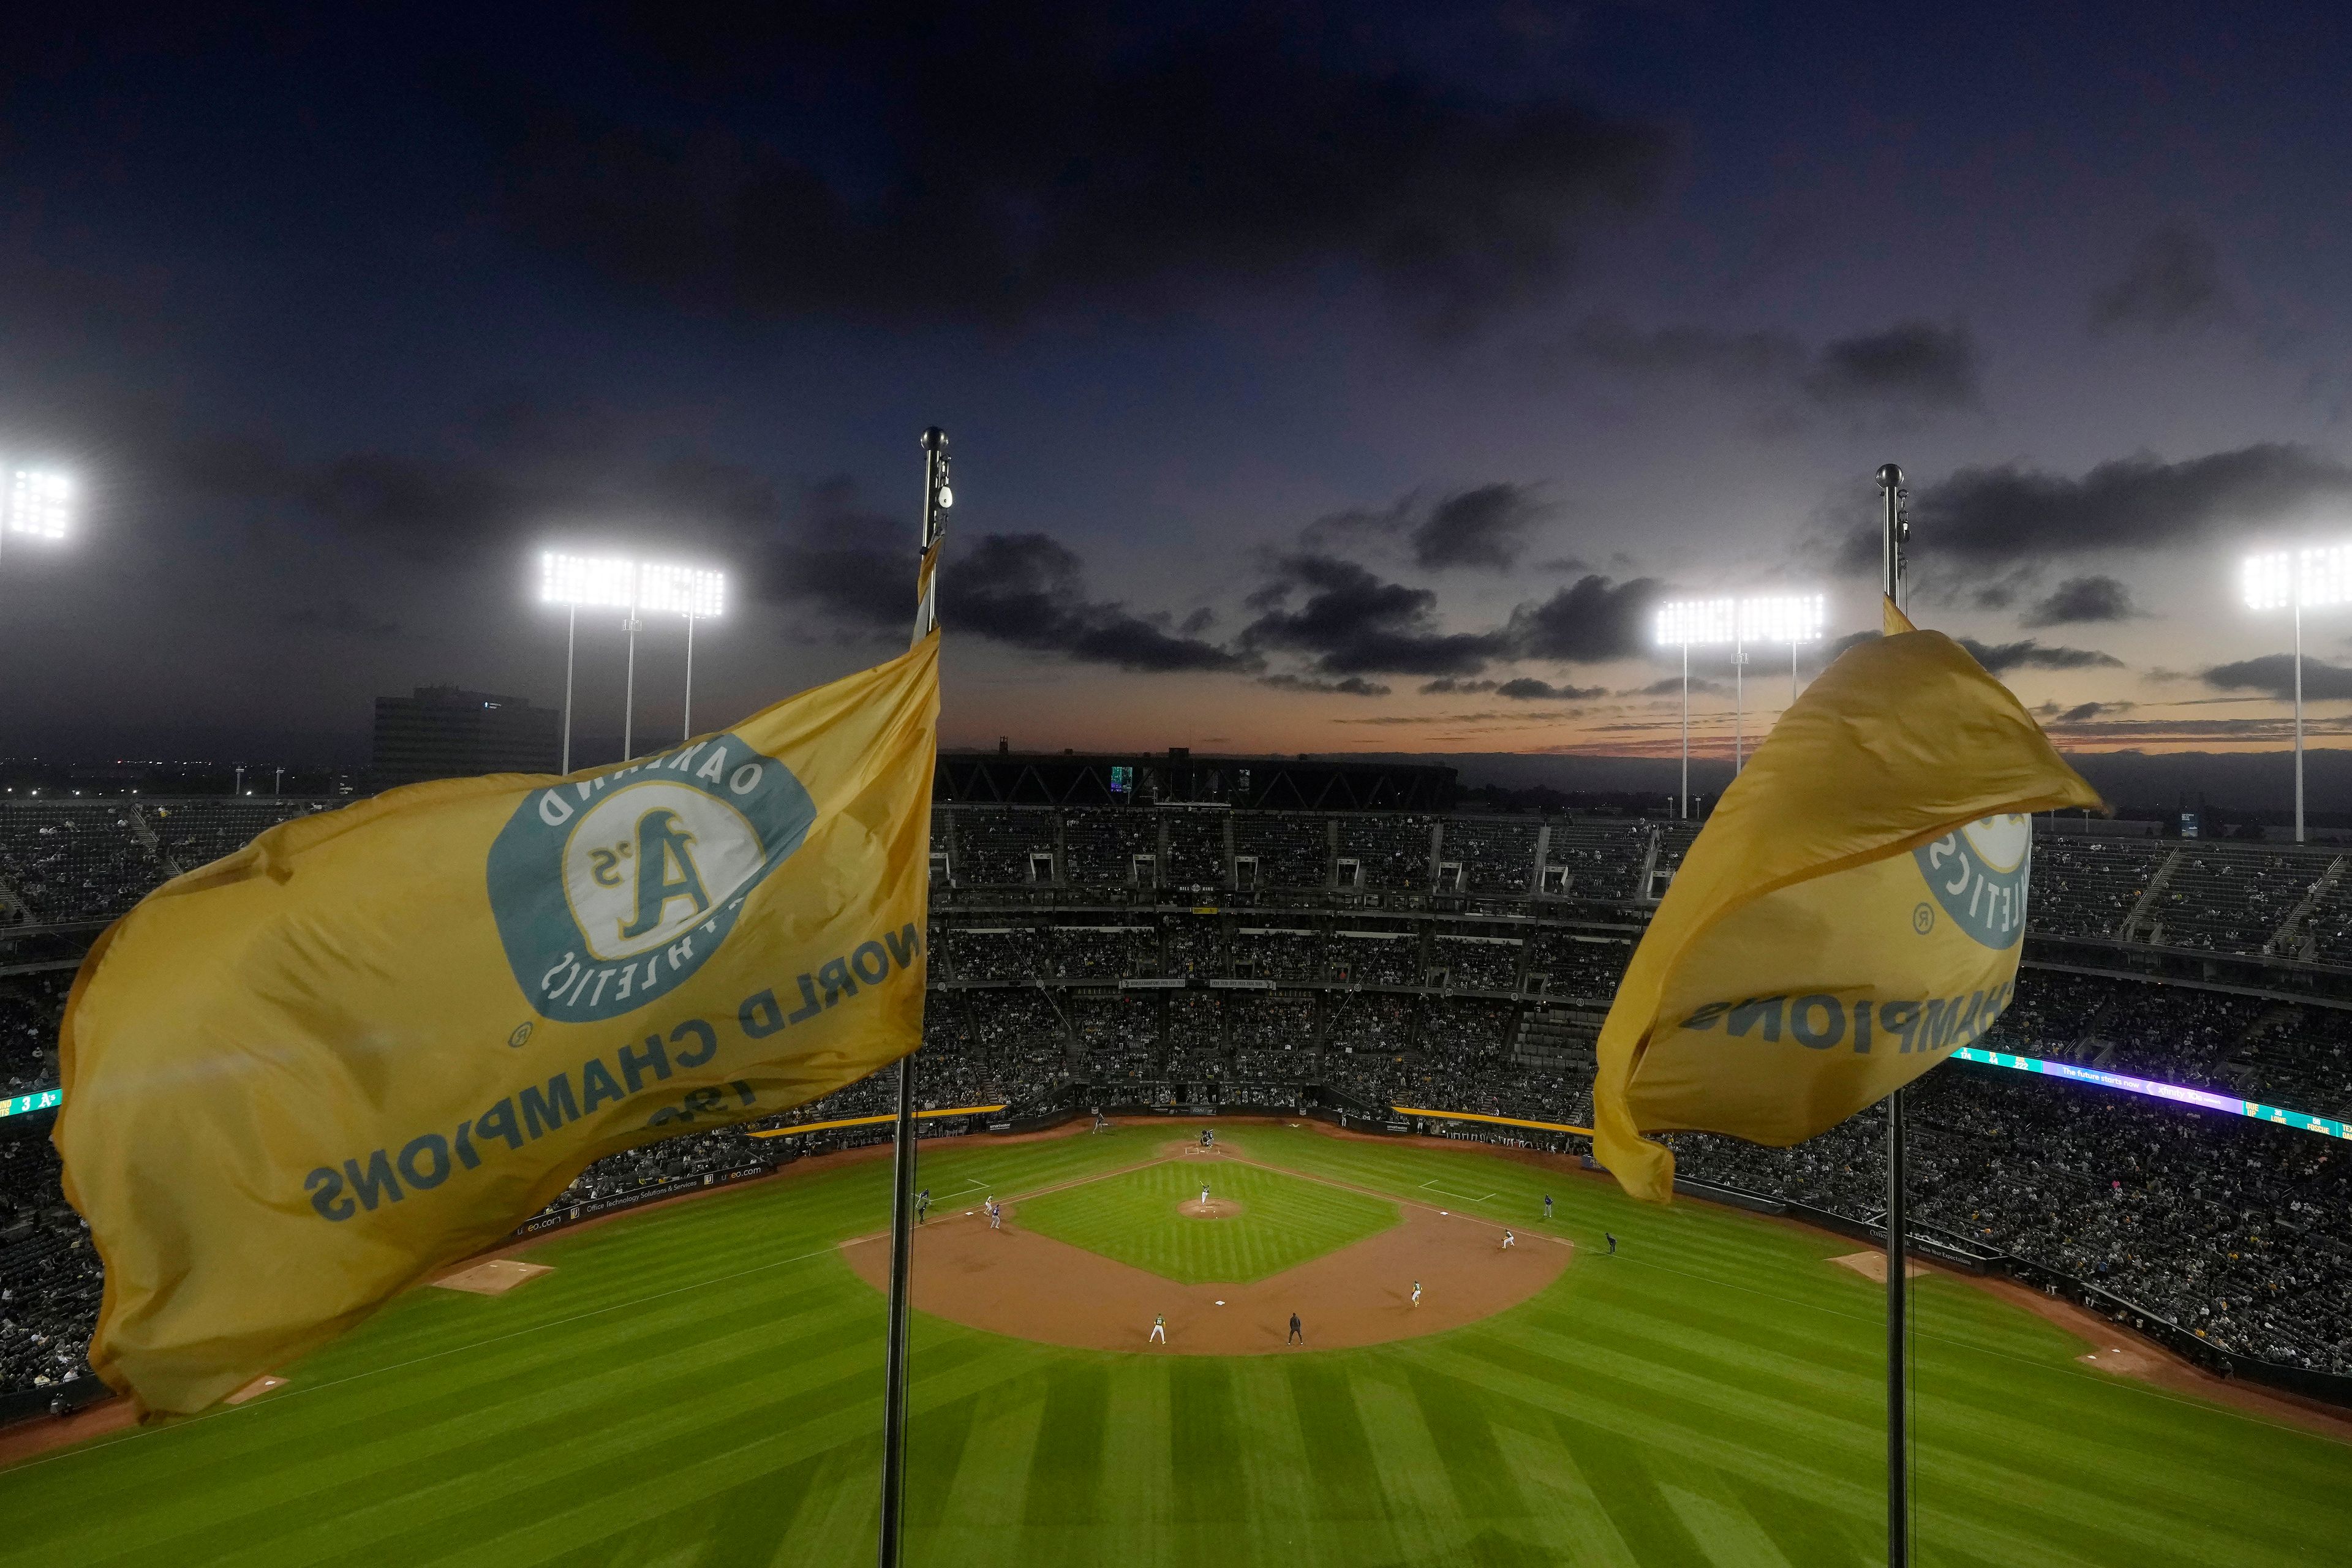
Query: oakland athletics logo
column 1977, row 876
column 611, row 891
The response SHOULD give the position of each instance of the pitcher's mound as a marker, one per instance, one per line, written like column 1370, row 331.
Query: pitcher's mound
column 496, row 1278
column 1873, row 1266
column 1215, row 1208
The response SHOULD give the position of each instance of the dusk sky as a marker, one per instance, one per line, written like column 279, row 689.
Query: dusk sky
column 1318, row 378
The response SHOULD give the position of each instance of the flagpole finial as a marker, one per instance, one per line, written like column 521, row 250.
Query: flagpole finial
column 1895, row 535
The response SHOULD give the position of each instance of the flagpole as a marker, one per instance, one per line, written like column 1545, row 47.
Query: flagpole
column 937, row 498
column 1896, row 529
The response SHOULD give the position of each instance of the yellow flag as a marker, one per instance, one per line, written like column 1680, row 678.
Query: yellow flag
column 309, row 1075
column 1852, row 912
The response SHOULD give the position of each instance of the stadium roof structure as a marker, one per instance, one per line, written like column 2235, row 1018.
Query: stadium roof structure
column 1005, row 777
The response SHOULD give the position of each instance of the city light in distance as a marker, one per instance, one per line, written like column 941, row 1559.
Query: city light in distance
column 1763, row 618
column 41, row 503
column 616, row 583
column 2314, row 578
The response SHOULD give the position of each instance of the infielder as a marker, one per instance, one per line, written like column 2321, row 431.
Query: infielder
column 922, row 1205
column 1416, row 1292
column 1159, row 1330
column 1509, row 1241
column 1613, row 1244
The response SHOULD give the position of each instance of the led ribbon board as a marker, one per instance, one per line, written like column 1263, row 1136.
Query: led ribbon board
column 2325, row 1126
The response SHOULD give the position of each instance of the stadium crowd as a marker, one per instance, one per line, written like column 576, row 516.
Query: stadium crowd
column 1364, row 983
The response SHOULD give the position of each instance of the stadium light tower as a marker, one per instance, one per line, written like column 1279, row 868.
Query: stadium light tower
column 2283, row 580
column 40, row 507
column 1686, row 624
column 1791, row 618
column 600, row 583
column 689, row 591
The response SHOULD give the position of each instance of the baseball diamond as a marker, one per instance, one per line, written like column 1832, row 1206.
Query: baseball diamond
column 698, row 1383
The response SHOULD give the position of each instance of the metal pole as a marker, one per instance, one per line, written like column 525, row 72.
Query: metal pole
column 1685, row 799
column 629, row 694
column 689, row 734
column 570, row 642
column 2298, row 709
column 937, row 498
column 1898, row 1478
column 1738, row 702
column 1898, row 1473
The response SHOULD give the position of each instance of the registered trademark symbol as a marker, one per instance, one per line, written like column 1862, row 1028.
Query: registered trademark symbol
column 1922, row 920
column 522, row 1033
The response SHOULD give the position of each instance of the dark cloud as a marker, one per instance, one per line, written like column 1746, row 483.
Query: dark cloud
column 341, row 617
column 1528, row 689
column 1447, row 685
column 1591, row 621
column 2027, row 654
column 2083, row 713
column 1029, row 591
column 1354, row 685
column 2274, row 675
column 1354, row 623
column 1916, row 364
column 2079, row 599
column 1033, row 156
column 1913, row 365
column 2174, row 281
column 1484, row 527
column 1672, row 686
column 2006, row 514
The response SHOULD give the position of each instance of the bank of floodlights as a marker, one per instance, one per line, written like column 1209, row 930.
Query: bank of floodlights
column 41, row 503
column 618, row 583
column 2298, row 580
column 1735, row 623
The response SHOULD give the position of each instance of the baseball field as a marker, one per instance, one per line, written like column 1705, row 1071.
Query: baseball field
column 699, row 1385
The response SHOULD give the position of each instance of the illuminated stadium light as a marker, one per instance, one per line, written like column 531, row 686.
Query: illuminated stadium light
column 1686, row 624
column 597, row 581
column 616, row 583
column 1698, row 623
column 41, row 503
column 1791, row 618
column 2312, row 579
column 688, row 590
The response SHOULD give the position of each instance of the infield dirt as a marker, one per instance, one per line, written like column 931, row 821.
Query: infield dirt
column 1016, row 1282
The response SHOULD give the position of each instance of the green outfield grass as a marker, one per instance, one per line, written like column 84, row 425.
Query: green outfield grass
column 1134, row 1217
column 700, row 1387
